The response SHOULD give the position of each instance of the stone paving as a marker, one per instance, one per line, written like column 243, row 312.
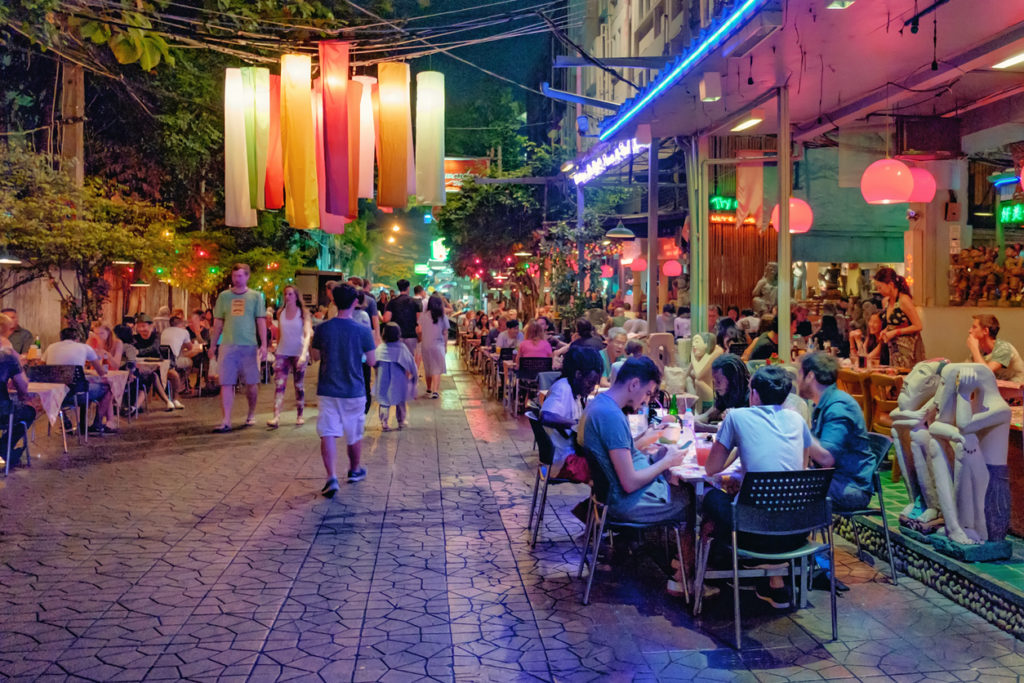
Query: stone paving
column 172, row 553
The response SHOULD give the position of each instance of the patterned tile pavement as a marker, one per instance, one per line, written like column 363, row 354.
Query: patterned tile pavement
column 172, row 553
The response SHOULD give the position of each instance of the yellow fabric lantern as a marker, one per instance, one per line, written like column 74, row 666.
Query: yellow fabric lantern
column 298, row 143
column 395, row 126
column 430, row 137
column 367, row 136
column 238, row 213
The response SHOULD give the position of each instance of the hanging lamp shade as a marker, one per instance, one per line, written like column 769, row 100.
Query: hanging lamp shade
column 238, row 212
column 801, row 217
column 638, row 264
column 886, row 181
column 924, row 185
column 430, row 138
column 620, row 232
column 395, row 125
column 607, row 271
column 334, row 82
column 298, row 143
column 672, row 269
column 330, row 223
column 256, row 83
column 367, row 136
column 274, row 185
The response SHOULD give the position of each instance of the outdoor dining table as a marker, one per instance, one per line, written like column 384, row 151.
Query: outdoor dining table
column 49, row 396
column 148, row 366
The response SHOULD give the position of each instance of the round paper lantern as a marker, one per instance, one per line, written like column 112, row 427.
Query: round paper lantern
column 887, row 181
column 924, row 185
column 638, row 264
column 607, row 271
column 800, row 216
column 672, row 269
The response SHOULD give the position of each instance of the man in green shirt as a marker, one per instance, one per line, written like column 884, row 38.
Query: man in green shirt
column 240, row 315
column 999, row 355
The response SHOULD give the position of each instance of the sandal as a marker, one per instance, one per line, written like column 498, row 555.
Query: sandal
column 273, row 424
column 250, row 421
column 223, row 429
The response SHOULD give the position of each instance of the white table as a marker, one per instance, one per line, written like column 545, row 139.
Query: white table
column 50, row 396
column 118, row 381
column 151, row 365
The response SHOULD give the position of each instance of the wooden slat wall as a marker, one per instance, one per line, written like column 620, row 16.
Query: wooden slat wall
column 738, row 257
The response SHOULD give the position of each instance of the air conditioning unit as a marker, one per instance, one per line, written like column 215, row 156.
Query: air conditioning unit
column 928, row 138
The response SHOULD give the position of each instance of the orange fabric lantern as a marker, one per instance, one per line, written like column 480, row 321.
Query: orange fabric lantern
column 395, row 125
column 887, row 181
column 672, row 269
column 274, row 190
column 924, row 185
column 638, row 264
column 800, row 216
column 334, row 83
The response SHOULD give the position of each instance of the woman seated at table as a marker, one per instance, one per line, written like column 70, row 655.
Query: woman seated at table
column 869, row 345
column 829, row 336
column 108, row 347
column 730, row 379
column 534, row 344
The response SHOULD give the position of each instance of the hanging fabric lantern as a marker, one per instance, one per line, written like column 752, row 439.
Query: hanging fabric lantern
column 329, row 222
column 887, row 181
column 395, row 122
column 672, row 269
column 274, row 187
column 924, row 185
column 238, row 212
column 430, row 138
column 298, row 142
column 800, row 216
column 607, row 271
column 355, row 96
column 256, row 84
column 334, row 82
column 638, row 264
column 367, row 136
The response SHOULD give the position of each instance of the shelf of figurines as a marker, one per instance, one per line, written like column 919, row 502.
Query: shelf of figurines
column 977, row 278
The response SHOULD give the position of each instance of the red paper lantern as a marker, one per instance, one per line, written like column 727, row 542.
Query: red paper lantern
column 887, row 181
column 607, row 271
column 672, row 269
column 638, row 264
column 800, row 216
column 924, row 185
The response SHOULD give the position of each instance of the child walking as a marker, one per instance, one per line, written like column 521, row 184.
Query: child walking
column 395, row 369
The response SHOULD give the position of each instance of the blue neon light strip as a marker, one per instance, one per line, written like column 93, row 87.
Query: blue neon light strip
column 681, row 68
column 1006, row 181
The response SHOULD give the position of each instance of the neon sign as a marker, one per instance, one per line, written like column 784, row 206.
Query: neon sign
column 1012, row 214
column 615, row 156
column 719, row 203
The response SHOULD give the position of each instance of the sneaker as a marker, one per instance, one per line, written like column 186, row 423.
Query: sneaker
column 776, row 597
column 169, row 408
column 178, row 405
column 403, row 425
column 356, row 475
column 330, row 488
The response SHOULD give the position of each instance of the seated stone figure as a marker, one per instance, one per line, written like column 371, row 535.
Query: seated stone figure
column 916, row 408
column 971, row 431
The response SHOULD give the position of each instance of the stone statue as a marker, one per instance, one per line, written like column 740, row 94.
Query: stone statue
column 766, row 292
column 972, row 431
column 915, row 409
column 703, row 351
column 800, row 279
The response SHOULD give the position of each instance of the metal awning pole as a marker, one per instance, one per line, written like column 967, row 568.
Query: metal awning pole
column 785, row 259
column 652, row 233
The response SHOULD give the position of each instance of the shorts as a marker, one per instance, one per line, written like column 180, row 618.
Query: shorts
column 342, row 417
column 238, row 362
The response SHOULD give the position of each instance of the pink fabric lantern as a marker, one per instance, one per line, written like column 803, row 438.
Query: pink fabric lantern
column 672, row 269
column 887, row 181
column 607, row 271
column 924, row 185
column 800, row 216
column 335, row 129
column 638, row 264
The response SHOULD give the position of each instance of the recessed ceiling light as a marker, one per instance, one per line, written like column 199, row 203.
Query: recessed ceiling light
column 1012, row 61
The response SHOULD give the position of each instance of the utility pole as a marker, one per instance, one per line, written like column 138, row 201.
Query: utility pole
column 72, row 115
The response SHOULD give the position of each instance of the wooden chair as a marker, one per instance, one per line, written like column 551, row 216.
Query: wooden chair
column 856, row 384
column 884, row 390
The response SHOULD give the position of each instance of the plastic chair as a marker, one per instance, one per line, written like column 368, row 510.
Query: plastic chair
column 74, row 377
column 598, row 522
column 526, row 377
column 879, row 449
column 545, row 459
column 777, row 504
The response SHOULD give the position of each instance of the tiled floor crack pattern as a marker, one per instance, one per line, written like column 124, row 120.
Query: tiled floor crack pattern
column 170, row 553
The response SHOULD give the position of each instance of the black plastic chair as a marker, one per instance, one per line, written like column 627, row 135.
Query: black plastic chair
column 598, row 521
column 8, row 408
column 545, row 458
column 526, row 377
column 777, row 504
column 879, row 450
column 78, row 392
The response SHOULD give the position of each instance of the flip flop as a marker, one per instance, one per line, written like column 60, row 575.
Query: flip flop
column 250, row 422
column 223, row 429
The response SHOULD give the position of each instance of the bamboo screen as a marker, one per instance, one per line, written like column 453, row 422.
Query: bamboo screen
column 738, row 257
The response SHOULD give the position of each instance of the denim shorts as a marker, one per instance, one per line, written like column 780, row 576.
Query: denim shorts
column 238, row 364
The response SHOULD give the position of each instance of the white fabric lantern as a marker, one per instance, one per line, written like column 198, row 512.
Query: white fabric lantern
column 367, row 137
column 430, row 138
column 238, row 212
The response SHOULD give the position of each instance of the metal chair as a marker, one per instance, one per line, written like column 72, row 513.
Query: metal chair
column 78, row 389
column 879, row 449
column 777, row 504
column 498, row 377
column 545, row 458
column 598, row 522
column 526, row 377
column 7, row 410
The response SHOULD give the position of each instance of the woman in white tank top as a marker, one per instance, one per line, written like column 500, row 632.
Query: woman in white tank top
column 295, row 331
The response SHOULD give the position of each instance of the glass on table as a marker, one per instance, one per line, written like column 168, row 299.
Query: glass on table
column 704, row 444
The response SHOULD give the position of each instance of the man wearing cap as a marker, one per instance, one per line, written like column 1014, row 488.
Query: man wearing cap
column 147, row 342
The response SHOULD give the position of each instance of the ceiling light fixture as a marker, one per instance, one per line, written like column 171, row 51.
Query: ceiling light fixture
column 1011, row 61
column 710, row 87
column 755, row 117
column 620, row 232
column 839, row 4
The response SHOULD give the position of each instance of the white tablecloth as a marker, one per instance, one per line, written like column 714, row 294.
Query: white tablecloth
column 152, row 365
column 118, row 380
column 50, row 397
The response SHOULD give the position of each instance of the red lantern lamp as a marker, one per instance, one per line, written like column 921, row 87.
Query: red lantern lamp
column 801, row 217
column 924, row 185
column 607, row 271
column 638, row 264
column 887, row 181
column 672, row 269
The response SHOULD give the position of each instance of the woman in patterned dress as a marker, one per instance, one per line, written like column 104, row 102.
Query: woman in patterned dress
column 900, row 320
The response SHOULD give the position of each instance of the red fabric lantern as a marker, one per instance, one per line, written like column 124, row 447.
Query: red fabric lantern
column 638, row 264
column 800, row 216
column 274, row 189
column 334, row 81
column 607, row 271
column 887, row 181
column 672, row 269
column 924, row 185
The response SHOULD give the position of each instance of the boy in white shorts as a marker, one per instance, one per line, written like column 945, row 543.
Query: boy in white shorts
column 340, row 345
